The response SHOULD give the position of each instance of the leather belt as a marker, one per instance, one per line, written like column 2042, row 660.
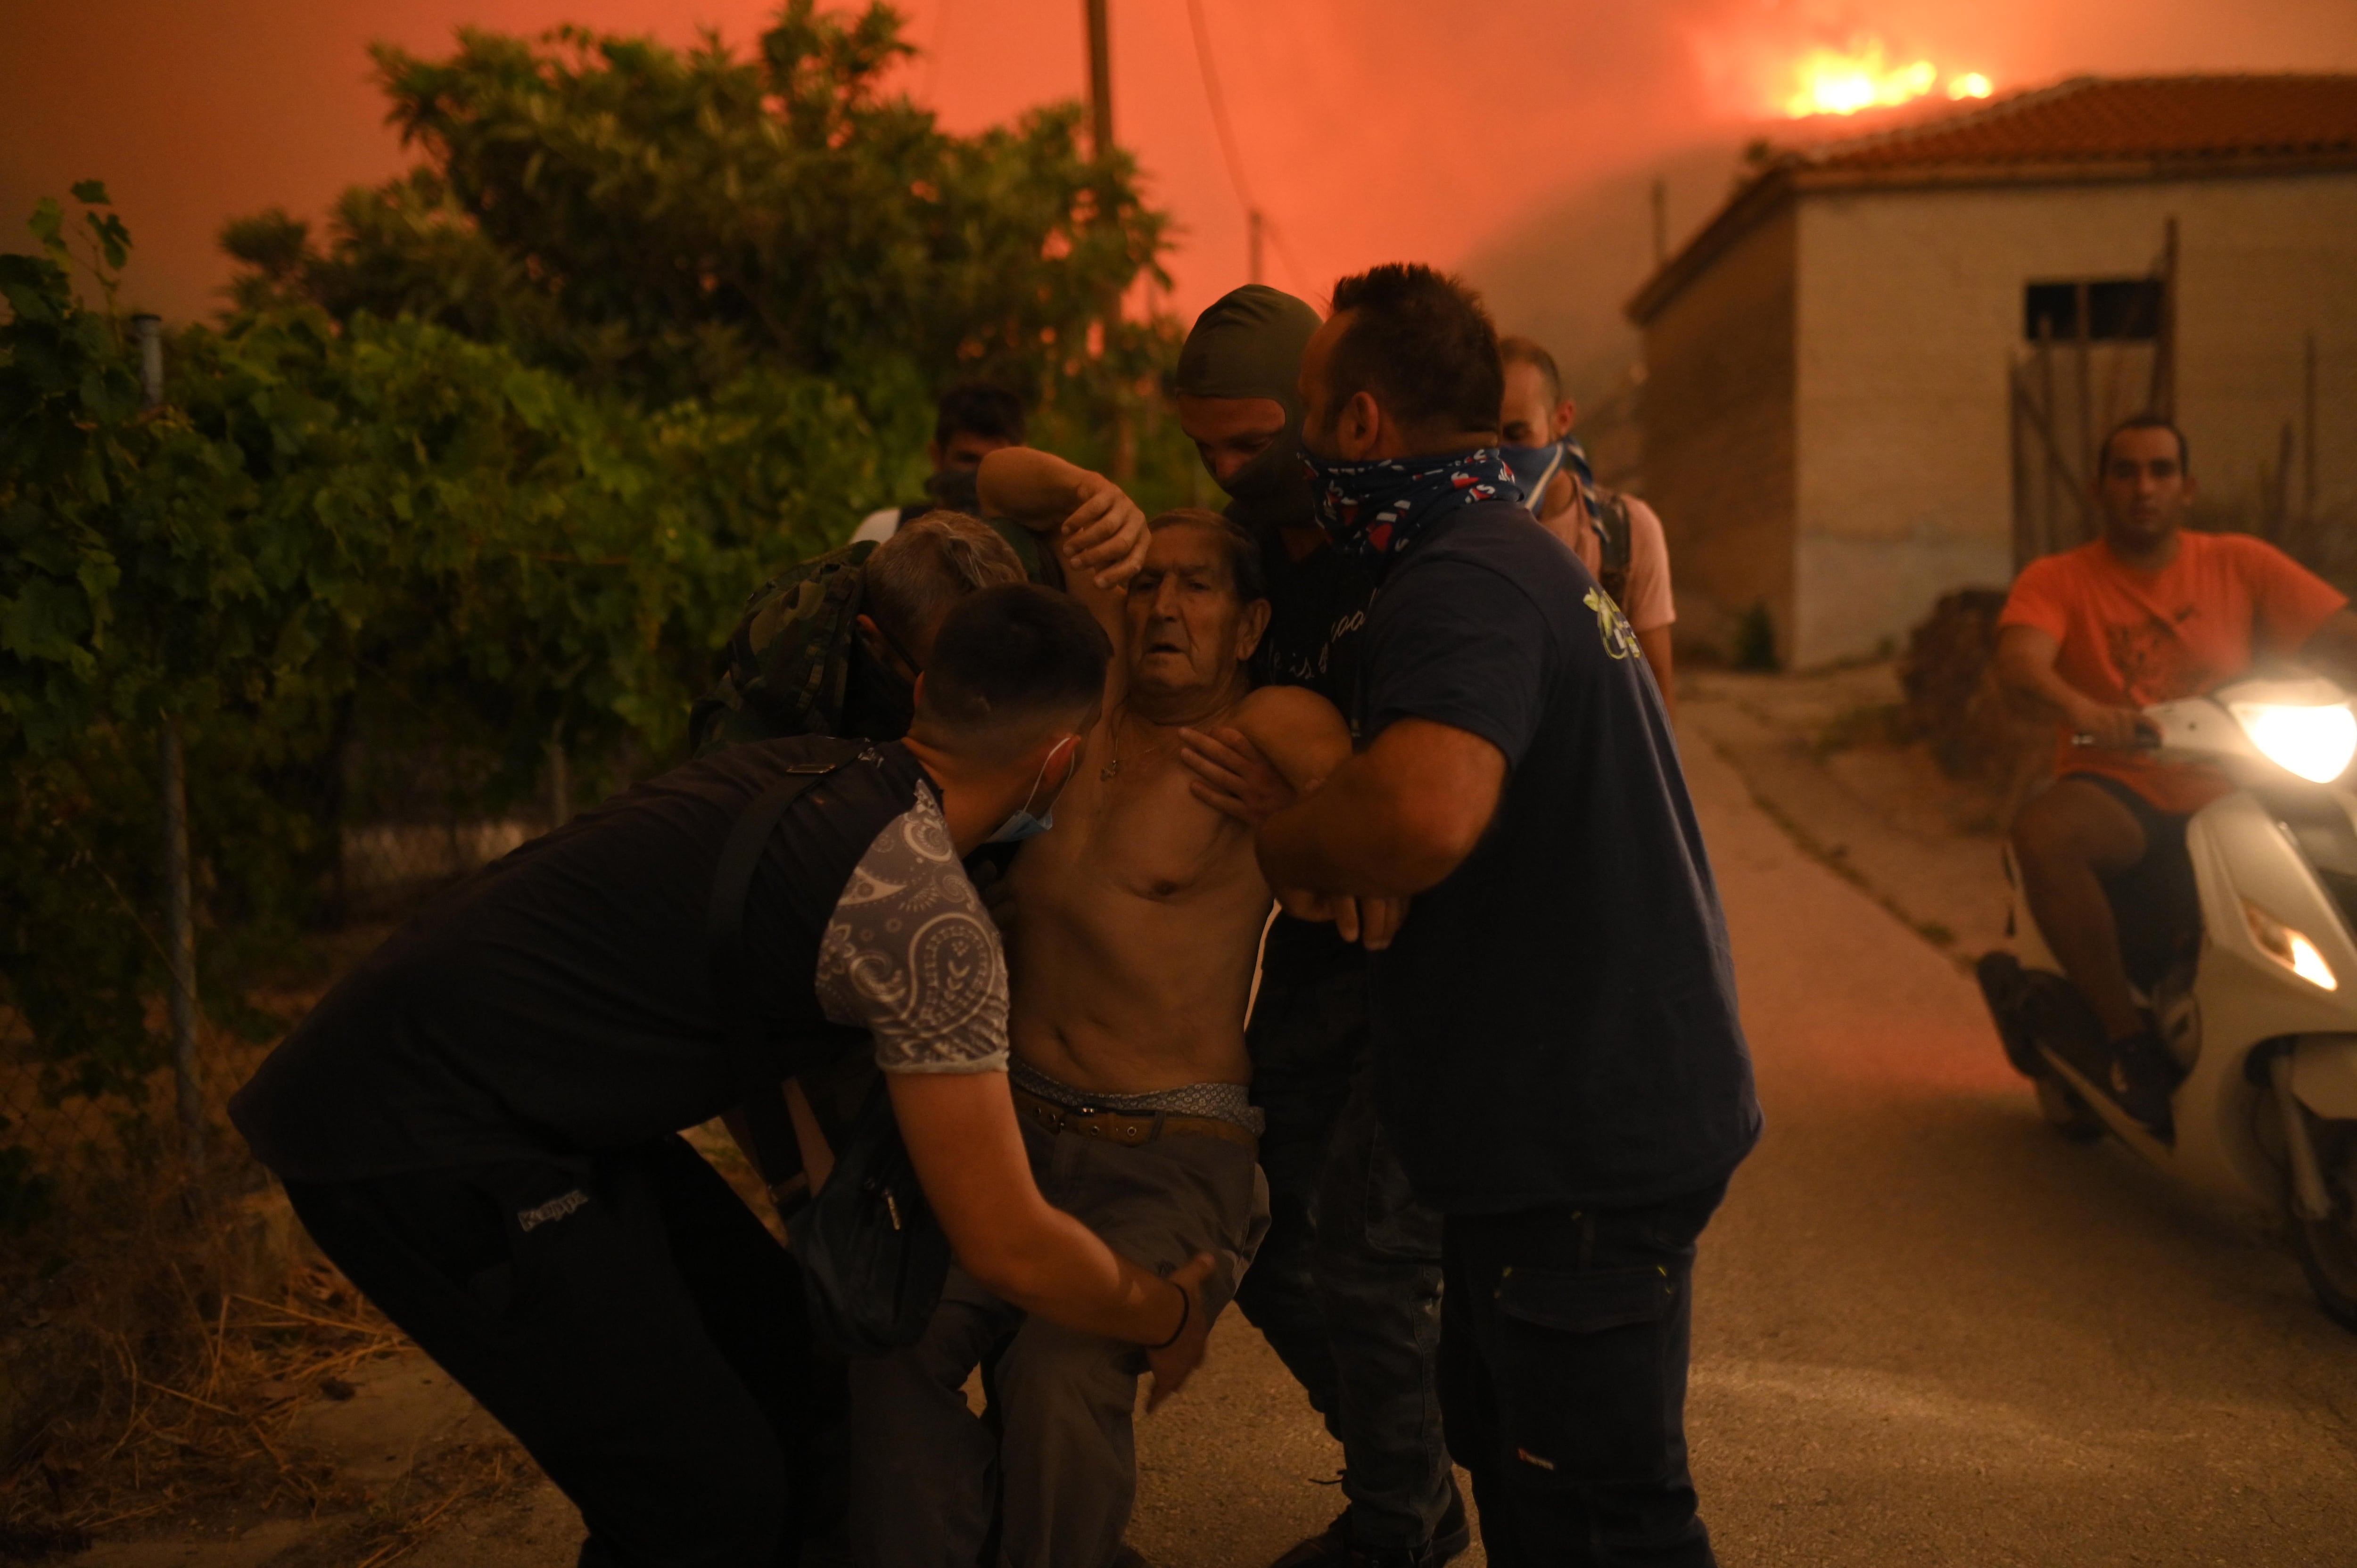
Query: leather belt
column 1130, row 1129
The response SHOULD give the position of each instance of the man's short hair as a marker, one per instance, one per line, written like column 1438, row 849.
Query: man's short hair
column 977, row 408
column 1010, row 661
column 1527, row 352
column 1422, row 343
column 2146, row 421
column 929, row 566
column 1246, row 568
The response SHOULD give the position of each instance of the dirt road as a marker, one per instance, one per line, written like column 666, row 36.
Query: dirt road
column 1928, row 1331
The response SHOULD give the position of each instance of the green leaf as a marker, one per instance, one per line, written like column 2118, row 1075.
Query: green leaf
column 91, row 192
column 47, row 224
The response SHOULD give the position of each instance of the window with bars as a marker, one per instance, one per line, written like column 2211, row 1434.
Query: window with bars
column 2119, row 310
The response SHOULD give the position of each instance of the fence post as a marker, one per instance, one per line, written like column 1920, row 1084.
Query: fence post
column 560, row 779
column 179, row 914
column 180, row 948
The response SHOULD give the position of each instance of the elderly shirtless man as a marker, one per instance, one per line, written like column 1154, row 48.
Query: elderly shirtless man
column 1136, row 921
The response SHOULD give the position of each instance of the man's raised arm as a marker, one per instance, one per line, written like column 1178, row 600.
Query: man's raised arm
column 1100, row 532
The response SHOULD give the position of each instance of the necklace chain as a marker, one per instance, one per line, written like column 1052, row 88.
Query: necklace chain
column 1113, row 767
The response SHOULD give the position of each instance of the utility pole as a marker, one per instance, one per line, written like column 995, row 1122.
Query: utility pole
column 1255, row 273
column 1093, row 12
column 1099, row 77
column 1661, row 221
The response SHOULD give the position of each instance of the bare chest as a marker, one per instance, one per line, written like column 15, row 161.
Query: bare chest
column 1131, row 828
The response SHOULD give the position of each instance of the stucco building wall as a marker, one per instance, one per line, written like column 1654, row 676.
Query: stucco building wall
column 1719, row 438
column 1877, row 460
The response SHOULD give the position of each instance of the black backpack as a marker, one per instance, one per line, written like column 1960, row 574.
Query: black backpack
column 874, row 1258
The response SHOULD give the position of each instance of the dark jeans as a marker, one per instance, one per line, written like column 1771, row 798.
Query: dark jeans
column 1347, row 1284
column 635, row 1328
column 1564, row 1370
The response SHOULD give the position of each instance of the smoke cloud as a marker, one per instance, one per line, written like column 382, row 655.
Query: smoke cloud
column 1493, row 137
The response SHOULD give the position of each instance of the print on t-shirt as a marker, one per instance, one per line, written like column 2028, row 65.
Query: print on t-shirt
column 1611, row 625
column 2154, row 661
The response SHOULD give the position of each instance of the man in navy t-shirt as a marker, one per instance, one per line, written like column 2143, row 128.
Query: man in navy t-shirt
column 1558, row 1053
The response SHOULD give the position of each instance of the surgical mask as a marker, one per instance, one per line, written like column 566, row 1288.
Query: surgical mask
column 1023, row 824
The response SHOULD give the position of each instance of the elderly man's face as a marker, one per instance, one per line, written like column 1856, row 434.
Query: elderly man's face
column 1187, row 627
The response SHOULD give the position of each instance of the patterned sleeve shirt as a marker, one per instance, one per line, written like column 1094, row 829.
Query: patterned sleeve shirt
column 911, row 956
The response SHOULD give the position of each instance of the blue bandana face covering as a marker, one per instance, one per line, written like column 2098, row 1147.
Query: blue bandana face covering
column 1376, row 509
column 1535, row 468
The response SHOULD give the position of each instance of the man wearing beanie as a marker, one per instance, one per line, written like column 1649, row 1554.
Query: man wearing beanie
column 1347, row 1284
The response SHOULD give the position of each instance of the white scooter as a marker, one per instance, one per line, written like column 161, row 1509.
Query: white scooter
column 2260, row 1012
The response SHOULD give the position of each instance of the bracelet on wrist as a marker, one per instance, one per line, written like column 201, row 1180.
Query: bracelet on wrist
column 1186, row 1316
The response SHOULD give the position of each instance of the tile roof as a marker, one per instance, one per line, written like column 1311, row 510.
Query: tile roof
column 2092, row 119
column 2087, row 129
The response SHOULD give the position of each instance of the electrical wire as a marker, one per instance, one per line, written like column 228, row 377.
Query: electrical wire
column 933, row 56
column 1208, row 70
column 1210, row 73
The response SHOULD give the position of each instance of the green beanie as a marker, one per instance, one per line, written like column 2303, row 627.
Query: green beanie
column 1249, row 345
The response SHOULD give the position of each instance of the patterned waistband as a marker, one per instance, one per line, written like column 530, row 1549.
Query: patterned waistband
column 1229, row 1102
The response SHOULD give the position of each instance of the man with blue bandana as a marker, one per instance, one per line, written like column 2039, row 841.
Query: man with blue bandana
column 1616, row 536
column 1557, row 1057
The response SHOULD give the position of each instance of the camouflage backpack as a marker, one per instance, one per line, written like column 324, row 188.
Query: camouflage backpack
column 1608, row 510
column 789, row 660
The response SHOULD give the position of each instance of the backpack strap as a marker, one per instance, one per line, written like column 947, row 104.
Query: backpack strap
column 776, row 1150
column 1612, row 529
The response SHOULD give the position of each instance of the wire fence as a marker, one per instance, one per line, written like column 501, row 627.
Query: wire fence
column 79, row 1167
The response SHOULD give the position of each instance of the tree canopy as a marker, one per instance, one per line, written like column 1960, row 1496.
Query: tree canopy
column 655, row 221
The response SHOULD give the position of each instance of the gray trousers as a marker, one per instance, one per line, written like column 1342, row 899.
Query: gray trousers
column 1052, row 1461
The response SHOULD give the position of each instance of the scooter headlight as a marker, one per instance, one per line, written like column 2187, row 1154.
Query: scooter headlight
column 2289, row 947
column 2316, row 743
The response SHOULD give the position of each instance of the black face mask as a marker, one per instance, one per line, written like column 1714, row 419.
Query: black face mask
column 957, row 489
column 1273, row 490
column 1249, row 345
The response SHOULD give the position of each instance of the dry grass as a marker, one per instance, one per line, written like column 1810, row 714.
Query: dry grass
column 190, row 1421
column 192, row 1414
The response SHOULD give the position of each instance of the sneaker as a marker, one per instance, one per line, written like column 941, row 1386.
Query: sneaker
column 1336, row 1547
column 2144, row 1075
column 1329, row 1547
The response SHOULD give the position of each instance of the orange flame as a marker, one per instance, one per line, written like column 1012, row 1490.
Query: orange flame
column 1839, row 82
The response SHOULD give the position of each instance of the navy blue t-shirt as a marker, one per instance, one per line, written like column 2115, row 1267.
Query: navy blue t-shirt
column 1555, row 1023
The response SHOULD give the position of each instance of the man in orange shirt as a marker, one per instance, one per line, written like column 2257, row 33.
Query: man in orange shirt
column 2146, row 614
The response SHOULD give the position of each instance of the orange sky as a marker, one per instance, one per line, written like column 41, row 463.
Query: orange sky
column 1371, row 129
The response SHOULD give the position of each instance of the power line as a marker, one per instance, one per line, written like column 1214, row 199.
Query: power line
column 1255, row 220
column 1211, row 75
column 933, row 56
